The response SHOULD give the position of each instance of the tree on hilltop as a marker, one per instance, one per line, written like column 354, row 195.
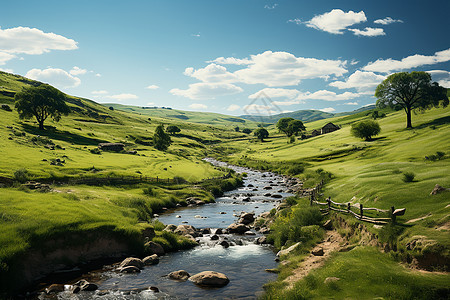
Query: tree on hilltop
column 290, row 126
column 410, row 91
column 41, row 102
column 261, row 134
column 161, row 140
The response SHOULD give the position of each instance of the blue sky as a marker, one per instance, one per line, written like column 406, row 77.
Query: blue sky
column 223, row 56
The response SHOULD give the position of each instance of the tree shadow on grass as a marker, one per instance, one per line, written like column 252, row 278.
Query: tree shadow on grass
column 377, row 139
column 435, row 122
column 66, row 136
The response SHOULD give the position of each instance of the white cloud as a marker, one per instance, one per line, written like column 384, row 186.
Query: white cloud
column 363, row 82
column 328, row 109
column 206, row 90
column 413, row 61
column 57, row 77
column 368, row 31
column 77, row 71
column 440, row 76
column 296, row 21
column 327, row 96
column 336, row 21
column 33, row 41
column 233, row 107
column 230, row 61
column 98, row 75
column 271, row 6
column 351, row 103
column 198, row 106
column 152, row 87
column 211, row 73
column 196, row 35
column 102, row 92
column 4, row 57
column 150, row 103
column 284, row 69
column 276, row 93
column 354, row 62
column 124, row 96
column 286, row 103
column 387, row 21
column 7, row 70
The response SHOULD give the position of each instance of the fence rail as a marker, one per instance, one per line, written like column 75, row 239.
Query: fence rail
column 347, row 207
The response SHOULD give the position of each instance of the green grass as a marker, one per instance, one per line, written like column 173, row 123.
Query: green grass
column 365, row 273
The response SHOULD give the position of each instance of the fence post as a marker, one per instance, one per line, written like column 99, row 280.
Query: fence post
column 361, row 211
column 310, row 199
column 329, row 203
column 393, row 217
column 348, row 207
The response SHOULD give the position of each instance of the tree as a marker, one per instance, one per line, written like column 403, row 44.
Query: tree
column 410, row 91
column 246, row 130
column 172, row 129
column 41, row 102
column 290, row 126
column 365, row 129
column 161, row 140
column 261, row 133
column 236, row 128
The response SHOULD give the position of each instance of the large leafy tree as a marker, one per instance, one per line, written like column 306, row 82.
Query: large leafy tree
column 365, row 129
column 410, row 91
column 172, row 129
column 290, row 126
column 161, row 140
column 261, row 134
column 41, row 102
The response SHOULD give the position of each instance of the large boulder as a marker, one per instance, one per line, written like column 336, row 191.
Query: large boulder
column 185, row 229
column 181, row 275
column 148, row 233
column 154, row 248
column 247, row 218
column 317, row 251
column 151, row 260
column 238, row 228
column 132, row 261
column 170, row 227
column 210, row 279
column 288, row 250
column 130, row 270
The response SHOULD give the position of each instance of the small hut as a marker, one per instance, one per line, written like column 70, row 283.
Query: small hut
column 329, row 127
column 315, row 132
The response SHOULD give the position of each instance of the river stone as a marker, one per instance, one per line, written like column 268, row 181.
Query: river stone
column 237, row 228
column 190, row 237
column 210, row 278
column 130, row 269
column 131, row 261
column 154, row 248
column 214, row 237
column 247, row 218
column 170, row 227
column 249, row 233
column 264, row 230
column 261, row 240
column 149, row 233
column 219, row 231
column 317, row 251
column 181, row 275
column 225, row 244
column 54, row 288
column 154, row 289
column 89, row 287
column 267, row 187
column 185, row 229
column 278, row 196
column 288, row 250
column 206, row 231
column 276, row 271
column 151, row 260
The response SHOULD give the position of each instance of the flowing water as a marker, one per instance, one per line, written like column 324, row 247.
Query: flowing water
column 244, row 262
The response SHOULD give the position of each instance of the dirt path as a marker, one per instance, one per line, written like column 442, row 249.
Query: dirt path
column 332, row 242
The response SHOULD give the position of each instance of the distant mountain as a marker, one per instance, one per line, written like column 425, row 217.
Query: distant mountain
column 304, row 115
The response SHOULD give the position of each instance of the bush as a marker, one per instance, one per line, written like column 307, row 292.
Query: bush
column 246, row 130
column 95, row 151
column 365, row 129
column 149, row 191
column 408, row 176
column 179, row 179
column 295, row 170
column 21, row 175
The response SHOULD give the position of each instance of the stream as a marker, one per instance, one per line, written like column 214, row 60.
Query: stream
column 244, row 262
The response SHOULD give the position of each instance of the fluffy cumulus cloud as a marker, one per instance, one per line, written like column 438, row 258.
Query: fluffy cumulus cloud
column 328, row 109
column 56, row 77
column 363, row 82
column 413, row 61
column 387, row 21
column 33, row 41
column 327, row 96
column 77, row 71
column 368, row 31
column 211, row 73
column 152, row 87
column 122, row 97
column 336, row 21
column 4, row 57
column 7, row 70
column 284, row 69
column 100, row 92
column 233, row 107
column 198, row 106
column 276, row 93
column 207, row 90
column 351, row 103
column 440, row 76
column 230, row 61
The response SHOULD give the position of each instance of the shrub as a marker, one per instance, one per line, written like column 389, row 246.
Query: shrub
column 408, row 176
column 21, row 175
column 95, row 151
column 179, row 179
column 149, row 191
column 246, row 131
column 365, row 129
column 295, row 170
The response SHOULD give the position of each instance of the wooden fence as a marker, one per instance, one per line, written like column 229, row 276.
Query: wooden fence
column 361, row 211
